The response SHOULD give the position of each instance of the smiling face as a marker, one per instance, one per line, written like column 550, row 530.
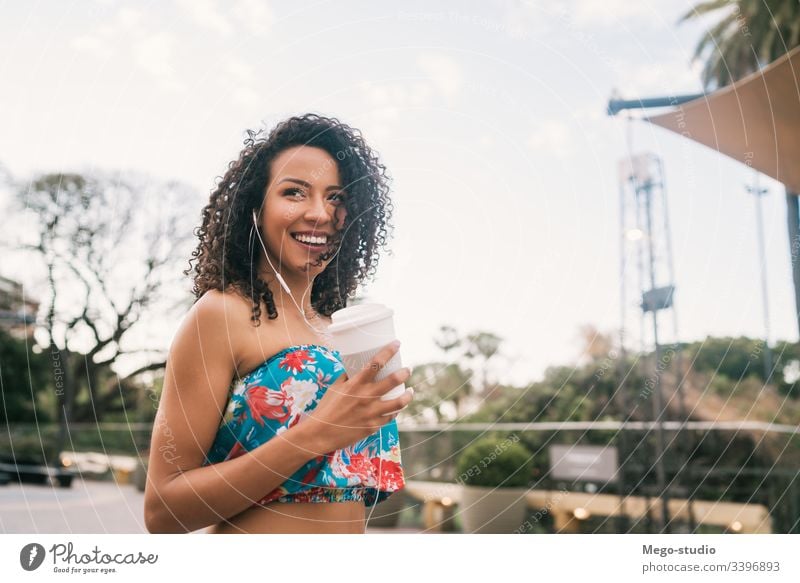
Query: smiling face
column 303, row 210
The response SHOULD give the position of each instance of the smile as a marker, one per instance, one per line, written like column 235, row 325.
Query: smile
column 311, row 243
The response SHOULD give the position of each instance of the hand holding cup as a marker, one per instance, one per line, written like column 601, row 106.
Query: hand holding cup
column 353, row 408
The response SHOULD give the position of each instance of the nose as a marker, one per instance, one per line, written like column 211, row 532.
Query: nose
column 316, row 211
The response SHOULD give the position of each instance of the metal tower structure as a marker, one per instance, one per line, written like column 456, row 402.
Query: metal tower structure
column 647, row 288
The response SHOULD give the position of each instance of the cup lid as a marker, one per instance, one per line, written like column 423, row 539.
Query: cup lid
column 358, row 315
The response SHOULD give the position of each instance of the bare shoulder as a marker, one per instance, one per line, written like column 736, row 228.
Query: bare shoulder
column 221, row 317
column 215, row 304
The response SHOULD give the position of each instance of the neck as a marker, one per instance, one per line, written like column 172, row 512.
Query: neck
column 300, row 286
column 285, row 302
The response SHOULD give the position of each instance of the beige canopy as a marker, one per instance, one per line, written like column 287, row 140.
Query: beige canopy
column 756, row 120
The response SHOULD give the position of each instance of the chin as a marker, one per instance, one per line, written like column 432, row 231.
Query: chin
column 307, row 267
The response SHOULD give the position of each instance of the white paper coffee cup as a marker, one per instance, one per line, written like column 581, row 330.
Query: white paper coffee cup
column 359, row 332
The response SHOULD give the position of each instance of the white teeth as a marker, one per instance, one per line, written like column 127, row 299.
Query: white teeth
column 312, row 240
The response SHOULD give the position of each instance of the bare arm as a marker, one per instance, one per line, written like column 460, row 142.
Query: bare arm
column 203, row 496
column 182, row 496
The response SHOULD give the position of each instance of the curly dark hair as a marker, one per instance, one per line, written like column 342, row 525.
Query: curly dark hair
column 227, row 251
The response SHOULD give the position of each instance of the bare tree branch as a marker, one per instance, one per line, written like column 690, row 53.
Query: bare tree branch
column 146, row 368
column 95, row 236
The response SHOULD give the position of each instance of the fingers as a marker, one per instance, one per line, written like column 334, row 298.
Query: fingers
column 383, row 386
column 386, row 408
column 367, row 374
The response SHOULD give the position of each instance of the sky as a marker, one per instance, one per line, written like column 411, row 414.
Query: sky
column 490, row 117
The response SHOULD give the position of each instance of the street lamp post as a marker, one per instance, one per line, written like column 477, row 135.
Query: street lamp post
column 762, row 259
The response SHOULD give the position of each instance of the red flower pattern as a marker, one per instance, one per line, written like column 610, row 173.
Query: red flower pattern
column 343, row 474
column 270, row 404
column 296, row 360
column 389, row 473
column 323, row 379
column 360, row 466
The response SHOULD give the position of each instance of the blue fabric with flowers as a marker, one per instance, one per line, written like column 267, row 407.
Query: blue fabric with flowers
column 276, row 396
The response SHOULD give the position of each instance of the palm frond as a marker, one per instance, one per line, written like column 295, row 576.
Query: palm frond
column 712, row 39
column 704, row 8
column 748, row 36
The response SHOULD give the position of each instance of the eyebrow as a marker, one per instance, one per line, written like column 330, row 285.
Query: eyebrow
column 306, row 184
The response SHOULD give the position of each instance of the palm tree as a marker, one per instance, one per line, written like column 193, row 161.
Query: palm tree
column 749, row 35
column 441, row 391
column 483, row 345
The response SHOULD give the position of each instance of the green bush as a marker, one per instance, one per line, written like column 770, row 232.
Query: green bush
column 30, row 447
column 734, row 358
column 26, row 382
column 495, row 462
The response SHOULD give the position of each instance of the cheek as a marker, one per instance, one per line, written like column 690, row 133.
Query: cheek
column 340, row 214
column 284, row 211
column 289, row 212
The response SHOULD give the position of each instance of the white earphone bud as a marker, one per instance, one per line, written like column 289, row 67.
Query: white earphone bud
column 278, row 275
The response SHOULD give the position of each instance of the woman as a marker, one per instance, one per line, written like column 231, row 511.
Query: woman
column 293, row 445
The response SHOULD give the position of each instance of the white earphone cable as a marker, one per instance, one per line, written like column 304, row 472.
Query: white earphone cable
column 283, row 283
column 324, row 335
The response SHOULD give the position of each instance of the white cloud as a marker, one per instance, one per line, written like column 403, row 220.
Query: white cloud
column 255, row 15
column 389, row 100
column 129, row 18
column 225, row 19
column 240, row 71
column 386, row 102
column 524, row 19
column 593, row 13
column 241, row 76
column 445, row 74
column 551, row 18
column 92, row 45
column 131, row 34
column 126, row 23
column 668, row 74
column 245, row 96
column 154, row 54
column 552, row 136
column 206, row 13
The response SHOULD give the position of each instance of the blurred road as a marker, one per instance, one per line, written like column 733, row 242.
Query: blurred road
column 85, row 508
column 89, row 507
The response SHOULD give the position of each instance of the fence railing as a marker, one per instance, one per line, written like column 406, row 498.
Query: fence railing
column 745, row 461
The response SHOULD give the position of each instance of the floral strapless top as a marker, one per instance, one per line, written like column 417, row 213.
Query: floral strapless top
column 276, row 396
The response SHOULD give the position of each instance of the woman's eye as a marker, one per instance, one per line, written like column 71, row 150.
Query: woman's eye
column 298, row 192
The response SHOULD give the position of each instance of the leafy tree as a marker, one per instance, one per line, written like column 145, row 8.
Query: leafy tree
column 25, row 381
column 482, row 346
column 439, row 391
column 734, row 358
column 444, row 390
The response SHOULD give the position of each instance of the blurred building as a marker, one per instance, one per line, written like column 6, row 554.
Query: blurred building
column 17, row 310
